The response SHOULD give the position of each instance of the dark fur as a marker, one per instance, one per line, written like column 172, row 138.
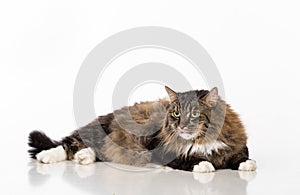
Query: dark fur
column 39, row 142
column 148, row 132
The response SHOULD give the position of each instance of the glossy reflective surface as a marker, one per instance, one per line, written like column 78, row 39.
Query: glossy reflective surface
column 108, row 178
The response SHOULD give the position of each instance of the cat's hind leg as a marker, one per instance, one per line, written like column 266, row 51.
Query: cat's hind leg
column 85, row 156
column 122, row 147
column 46, row 150
column 49, row 151
column 52, row 155
column 71, row 149
column 39, row 141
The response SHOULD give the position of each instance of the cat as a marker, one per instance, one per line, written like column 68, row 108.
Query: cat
column 192, row 131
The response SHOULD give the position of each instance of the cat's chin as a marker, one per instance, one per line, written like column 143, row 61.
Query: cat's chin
column 187, row 136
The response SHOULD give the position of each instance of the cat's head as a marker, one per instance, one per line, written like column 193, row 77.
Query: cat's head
column 189, row 114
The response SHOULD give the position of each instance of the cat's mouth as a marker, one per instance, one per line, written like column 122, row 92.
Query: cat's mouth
column 186, row 134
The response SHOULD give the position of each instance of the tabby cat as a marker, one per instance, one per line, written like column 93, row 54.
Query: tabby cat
column 193, row 131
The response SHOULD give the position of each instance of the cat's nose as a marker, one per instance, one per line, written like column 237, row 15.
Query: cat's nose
column 182, row 127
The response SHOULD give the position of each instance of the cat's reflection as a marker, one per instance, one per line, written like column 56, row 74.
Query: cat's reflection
column 105, row 178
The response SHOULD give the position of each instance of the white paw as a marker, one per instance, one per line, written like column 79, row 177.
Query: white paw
column 52, row 155
column 85, row 156
column 249, row 165
column 204, row 167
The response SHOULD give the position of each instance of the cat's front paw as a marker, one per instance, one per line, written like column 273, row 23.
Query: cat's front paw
column 85, row 156
column 204, row 167
column 248, row 165
column 52, row 156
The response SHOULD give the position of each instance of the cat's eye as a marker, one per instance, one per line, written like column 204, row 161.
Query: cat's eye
column 176, row 114
column 195, row 114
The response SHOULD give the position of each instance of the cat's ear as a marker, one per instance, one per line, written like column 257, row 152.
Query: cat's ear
column 172, row 94
column 212, row 97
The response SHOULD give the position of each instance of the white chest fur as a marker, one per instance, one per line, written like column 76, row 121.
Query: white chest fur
column 205, row 149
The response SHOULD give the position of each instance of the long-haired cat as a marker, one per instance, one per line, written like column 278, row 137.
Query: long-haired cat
column 193, row 131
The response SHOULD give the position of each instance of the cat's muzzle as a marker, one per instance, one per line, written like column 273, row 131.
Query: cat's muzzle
column 186, row 133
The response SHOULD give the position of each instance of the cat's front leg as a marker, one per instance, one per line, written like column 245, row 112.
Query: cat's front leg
column 192, row 163
column 240, row 161
column 248, row 165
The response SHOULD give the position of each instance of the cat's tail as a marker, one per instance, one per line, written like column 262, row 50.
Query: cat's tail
column 39, row 141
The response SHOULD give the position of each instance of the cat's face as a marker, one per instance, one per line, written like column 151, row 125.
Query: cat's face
column 189, row 114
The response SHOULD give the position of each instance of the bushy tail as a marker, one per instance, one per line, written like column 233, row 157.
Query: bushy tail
column 39, row 141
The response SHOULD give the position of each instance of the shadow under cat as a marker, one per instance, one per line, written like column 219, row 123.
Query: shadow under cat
column 110, row 178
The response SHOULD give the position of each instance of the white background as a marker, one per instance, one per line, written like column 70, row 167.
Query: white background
column 255, row 45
